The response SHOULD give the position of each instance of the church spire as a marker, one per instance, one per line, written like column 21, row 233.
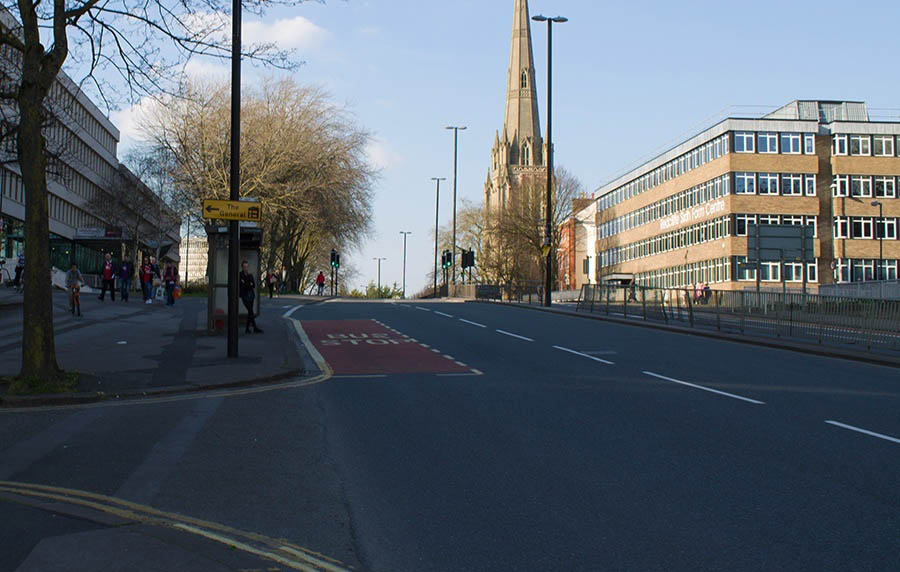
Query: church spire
column 522, row 121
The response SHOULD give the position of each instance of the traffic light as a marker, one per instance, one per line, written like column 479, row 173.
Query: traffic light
column 334, row 255
column 468, row 258
column 337, row 260
column 446, row 259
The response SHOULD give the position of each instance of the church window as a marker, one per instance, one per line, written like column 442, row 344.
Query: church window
column 524, row 79
column 526, row 155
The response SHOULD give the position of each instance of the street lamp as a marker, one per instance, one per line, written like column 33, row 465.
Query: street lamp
column 437, row 204
column 880, row 238
column 379, row 273
column 548, row 233
column 404, row 233
column 456, row 131
column 234, row 238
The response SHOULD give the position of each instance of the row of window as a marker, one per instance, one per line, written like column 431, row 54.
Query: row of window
column 864, row 186
column 709, row 271
column 676, row 167
column 865, row 145
column 702, row 193
column 865, row 227
column 787, row 184
column 673, row 240
column 775, row 271
column 742, row 222
column 768, row 142
column 864, row 269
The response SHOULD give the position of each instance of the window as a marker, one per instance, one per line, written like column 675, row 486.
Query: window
column 768, row 142
column 883, row 145
column 860, row 186
column 810, row 181
column 841, row 227
column 862, row 227
column 790, row 143
column 586, row 266
column 862, row 270
column 742, row 222
column 792, row 219
column 889, row 270
column 743, row 142
column 841, row 186
column 745, row 183
column 745, row 271
column 768, row 184
column 792, row 185
column 886, row 228
column 770, row 271
column 813, row 223
column 524, row 84
column 859, row 145
column 767, row 219
column 793, row 272
column 812, row 272
column 809, row 144
column 840, row 145
column 885, row 187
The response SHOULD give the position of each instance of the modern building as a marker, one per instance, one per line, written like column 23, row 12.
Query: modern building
column 87, row 175
column 683, row 217
column 194, row 253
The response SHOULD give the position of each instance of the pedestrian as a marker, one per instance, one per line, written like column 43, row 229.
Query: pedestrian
column 74, row 280
column 632, row 294
column 248, row 294
column 320, row 282
column 707, row 291
column 170, row 278
column 272, row 281
column 126, row 273
column 108, row 277
column 20, row 268
column 282, row 289
column 155, row 279
column 146, row 276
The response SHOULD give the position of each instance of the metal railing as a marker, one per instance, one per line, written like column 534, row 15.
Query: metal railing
column 873, row 289
column 828, row 320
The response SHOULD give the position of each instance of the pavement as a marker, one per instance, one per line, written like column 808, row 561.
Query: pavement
column 476, row 437
column 129, row 348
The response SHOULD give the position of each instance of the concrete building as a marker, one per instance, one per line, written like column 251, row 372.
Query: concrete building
column 683, row 217
column 194, row 253
column 87, row 174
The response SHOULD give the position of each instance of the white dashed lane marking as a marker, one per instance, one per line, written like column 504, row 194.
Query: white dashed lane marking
column 512, row 335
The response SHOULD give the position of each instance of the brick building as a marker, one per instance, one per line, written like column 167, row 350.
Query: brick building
column 683, row 217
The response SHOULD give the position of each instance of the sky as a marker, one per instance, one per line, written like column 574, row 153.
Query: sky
column 630, row 79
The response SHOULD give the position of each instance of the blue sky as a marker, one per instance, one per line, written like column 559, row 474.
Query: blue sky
column 630, row 78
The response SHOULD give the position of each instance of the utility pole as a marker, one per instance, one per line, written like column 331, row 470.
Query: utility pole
column 548, row 231
column 404, row 233
column 379, row 273
column 234, row 238
column 456, row 131
column 437, row 204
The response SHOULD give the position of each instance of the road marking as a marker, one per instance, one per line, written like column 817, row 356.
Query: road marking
column 435, row 350
column 474, row 373
column 291, row 311
column 451, row 358
column 512, row 335
column 359, row 376
column 607, row 362
column 473, row 323
column 122, row 343
column 423, row 309
column 443, row 314
column 733, row 396
column 864, row 431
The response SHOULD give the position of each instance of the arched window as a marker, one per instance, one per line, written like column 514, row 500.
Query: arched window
column 524, row 79
column 526, row 155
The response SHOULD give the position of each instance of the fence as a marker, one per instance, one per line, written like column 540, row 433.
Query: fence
column 877, row 289
column 828, row 320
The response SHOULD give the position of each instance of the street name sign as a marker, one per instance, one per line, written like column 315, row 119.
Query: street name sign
column 232, row 210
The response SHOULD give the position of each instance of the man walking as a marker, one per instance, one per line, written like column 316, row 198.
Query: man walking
column 248, row 294
column 74, row 280
column 20, row 268
column 108, row 275
column 320, row 282
column 170, row 277
column 126, row 271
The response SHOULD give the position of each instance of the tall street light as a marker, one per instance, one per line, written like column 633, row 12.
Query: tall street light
column 880, row 238
column 234, row 238
column 379, row 273
column 456, row 131
column 548, row 231
column 404, row 233
column 437, row 204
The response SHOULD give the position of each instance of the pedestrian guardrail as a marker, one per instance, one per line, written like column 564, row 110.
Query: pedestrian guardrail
column 828, row 320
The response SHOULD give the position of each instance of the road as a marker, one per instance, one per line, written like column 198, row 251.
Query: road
column 484, row 437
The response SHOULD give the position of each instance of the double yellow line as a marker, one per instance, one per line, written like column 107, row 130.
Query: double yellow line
column 277, row 550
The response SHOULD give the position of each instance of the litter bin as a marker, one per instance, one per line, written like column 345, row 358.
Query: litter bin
column 217, row 272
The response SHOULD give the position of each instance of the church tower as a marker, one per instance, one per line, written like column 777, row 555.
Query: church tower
column 518, row 151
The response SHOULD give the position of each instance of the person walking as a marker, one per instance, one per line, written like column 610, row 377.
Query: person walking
column 20, row 268
column 272, row 281
column 248, row 293
column 170, row 278
column 108, row 276
column 74, row 281
column 126, row 273
column 146, row 276
column 320, row 282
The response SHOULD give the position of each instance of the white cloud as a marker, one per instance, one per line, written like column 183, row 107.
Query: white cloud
column 128, row 122
column 291, row 33
column 207, row 68
column 381, row 156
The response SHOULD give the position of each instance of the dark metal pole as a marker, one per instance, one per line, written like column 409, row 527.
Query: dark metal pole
column 234, row 228
column 456, row 131
column 404, row 233
column 548, row 236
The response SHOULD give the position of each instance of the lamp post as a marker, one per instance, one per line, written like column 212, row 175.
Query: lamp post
column 456, row 131
column 404, row 233
column 235, row 182
column 548, row 231
column 379, row 273
column 437, row 203
column 880, row 238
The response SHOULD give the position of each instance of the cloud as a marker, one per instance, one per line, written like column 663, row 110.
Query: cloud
column 207, row 68
column 381, row 156
column 128, row 121
column 291, row 33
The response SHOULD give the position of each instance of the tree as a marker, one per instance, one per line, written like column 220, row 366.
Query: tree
column 123, row 37
column 305, row 162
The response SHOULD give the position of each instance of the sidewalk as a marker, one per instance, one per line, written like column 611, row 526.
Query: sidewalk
column 132, row 349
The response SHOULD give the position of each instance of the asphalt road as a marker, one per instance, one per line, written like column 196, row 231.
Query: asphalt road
column 541, row 442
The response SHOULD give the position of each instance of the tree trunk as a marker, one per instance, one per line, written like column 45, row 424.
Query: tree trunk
column 38, row 345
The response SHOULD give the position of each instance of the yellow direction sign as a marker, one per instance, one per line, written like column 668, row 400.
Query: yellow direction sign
column 232, row 210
